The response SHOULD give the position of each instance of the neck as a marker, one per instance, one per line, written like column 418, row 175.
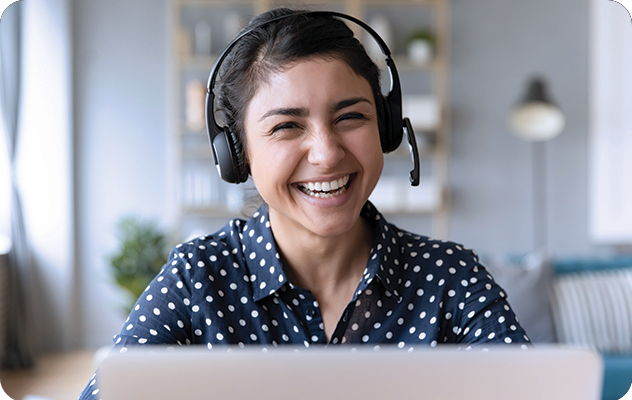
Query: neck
column 323, row 264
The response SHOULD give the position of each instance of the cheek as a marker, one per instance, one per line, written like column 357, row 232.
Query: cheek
column 368, row 150
column 271, row 166
column 375, row 161
column 370, row 156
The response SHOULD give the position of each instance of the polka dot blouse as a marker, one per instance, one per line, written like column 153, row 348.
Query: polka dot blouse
column 230, row 288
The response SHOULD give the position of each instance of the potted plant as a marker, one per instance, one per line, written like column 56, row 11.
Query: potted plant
column 140, row 257
column 420, row 46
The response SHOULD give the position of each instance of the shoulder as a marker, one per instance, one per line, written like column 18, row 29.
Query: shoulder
column 227, row 252
column 440, row 260
column 418, row 261
column 415, row 246
column 209, row 252
column 425, row 251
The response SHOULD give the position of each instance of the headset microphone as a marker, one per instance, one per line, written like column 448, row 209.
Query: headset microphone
column 227, row 151
column 412, row 146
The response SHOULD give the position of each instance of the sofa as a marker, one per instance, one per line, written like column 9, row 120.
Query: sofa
column 577, row 301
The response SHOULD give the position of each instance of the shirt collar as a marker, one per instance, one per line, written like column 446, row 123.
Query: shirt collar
column 261, row 255
column 266, row 269
column 384, row 261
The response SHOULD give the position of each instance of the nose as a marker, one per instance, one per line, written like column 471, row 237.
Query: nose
column 325, row 149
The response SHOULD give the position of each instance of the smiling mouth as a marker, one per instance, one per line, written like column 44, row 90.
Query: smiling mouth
column 325, row 190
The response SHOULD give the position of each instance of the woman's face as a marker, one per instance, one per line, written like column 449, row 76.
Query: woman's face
column 313, row 146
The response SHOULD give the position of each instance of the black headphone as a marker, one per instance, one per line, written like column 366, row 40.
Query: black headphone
column 225, row 143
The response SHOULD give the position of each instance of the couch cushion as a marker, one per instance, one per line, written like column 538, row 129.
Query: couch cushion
column 594, row 309
column 570, row 265
column 526, row 281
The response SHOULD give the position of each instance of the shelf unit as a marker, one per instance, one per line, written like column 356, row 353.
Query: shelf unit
column 202, row 194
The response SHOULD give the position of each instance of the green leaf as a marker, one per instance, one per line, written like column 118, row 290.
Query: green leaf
column 140, row 257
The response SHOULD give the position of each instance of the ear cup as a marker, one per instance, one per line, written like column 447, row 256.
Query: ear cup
column 227, row 154
column 396, row 122
column 391, row 129
column 384, row 123
column 240, row 156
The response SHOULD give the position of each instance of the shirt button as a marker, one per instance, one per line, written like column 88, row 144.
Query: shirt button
column 311, row 312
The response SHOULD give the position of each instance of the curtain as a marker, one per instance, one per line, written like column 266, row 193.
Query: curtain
column 18, row 346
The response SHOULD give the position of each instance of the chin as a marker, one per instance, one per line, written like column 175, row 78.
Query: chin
column 334, row 224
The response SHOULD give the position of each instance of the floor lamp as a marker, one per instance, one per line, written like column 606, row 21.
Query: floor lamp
column 537, row 119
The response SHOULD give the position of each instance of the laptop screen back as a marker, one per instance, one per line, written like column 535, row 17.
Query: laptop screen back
column 444, row 373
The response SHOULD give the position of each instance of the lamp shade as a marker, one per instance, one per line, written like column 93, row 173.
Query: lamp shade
column 536, row 118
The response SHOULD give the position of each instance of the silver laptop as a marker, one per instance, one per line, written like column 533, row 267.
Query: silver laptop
column 444, row 373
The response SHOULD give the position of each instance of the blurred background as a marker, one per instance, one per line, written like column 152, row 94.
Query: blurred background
column 99, row 104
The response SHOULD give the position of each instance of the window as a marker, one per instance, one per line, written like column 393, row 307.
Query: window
column 611, row 125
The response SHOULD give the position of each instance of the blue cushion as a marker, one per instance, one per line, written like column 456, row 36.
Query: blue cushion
column 617, row 368
column 617, row 376
column 597, row 264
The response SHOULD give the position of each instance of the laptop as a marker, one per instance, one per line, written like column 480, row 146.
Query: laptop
column 445, row 373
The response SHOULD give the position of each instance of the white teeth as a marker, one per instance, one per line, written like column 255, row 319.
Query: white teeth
column 345, row 179
column 319, row 189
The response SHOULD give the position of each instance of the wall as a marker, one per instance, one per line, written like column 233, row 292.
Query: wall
column 497, row 46
column 121, row 96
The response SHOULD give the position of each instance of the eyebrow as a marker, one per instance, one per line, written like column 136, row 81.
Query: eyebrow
column 291, row 112
column 349, row 102
column 303, row 112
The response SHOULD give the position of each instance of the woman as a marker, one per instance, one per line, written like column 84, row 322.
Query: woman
column 317, row 263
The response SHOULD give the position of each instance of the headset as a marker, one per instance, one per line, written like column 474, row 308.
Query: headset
column 227, row 150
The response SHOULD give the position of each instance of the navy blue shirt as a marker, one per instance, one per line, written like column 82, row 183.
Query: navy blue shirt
column 230, row 288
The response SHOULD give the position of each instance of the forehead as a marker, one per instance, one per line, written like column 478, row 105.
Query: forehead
column 308, row 81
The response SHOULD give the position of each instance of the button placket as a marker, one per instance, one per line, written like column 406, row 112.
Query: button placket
column 313, row 318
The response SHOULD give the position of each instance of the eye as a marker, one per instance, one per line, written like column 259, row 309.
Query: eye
column 351, row 121
column 352, row 116
column 284, row 126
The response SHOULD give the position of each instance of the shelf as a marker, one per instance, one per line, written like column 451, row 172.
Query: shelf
column 217, row 211
column 212, row 3
column 208, row 211
column 197, row 62
column 396, row 3
column 397, row 196
column 425, row 146
column 185, row 132
column 402, row 62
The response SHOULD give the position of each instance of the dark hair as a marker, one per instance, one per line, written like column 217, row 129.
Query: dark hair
column 270, row 48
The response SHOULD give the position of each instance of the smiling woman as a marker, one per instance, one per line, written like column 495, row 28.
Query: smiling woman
column 317, row 264
column 333, row 136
